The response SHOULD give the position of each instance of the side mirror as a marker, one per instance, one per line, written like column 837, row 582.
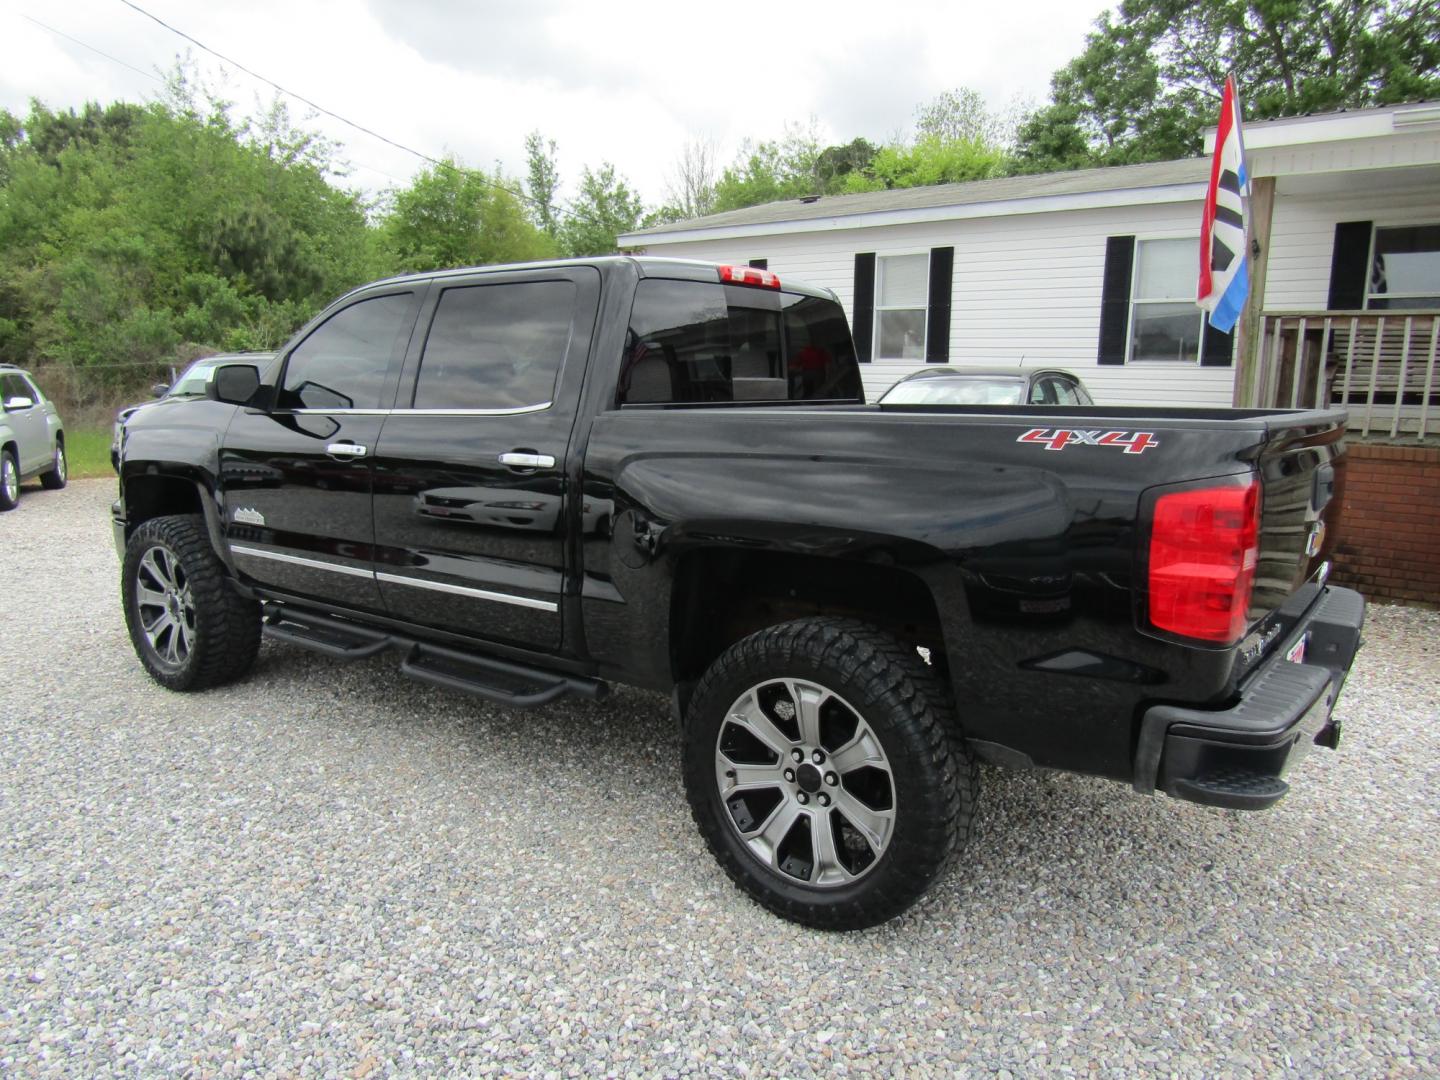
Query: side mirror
column 234, row 384
column 18, row 402
column 160, row 389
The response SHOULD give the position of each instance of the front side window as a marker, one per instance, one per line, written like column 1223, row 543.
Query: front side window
column 344, row 361
column 902, row 284
column 1165, row 324
column 1405, row 268
column 693, row 343
column 496, row 346
column 13, row 386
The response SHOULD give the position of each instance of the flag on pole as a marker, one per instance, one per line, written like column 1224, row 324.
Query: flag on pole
column 1224, row 266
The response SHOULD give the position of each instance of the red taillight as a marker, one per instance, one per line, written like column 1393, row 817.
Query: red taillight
column 1204, row 544
column 749, row 275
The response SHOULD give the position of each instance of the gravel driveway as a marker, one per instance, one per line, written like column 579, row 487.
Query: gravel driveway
column 331, row 870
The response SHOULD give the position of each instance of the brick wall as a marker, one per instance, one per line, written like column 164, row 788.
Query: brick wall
column 1389, row 545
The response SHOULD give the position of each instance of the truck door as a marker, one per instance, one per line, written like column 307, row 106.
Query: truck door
column 295, row 476
column 472, row 496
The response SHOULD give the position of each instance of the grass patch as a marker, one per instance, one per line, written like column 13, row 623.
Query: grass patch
column 87, row 451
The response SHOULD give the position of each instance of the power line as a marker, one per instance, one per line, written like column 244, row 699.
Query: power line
column 151, row 75
column 97, row 52
column 437, row 162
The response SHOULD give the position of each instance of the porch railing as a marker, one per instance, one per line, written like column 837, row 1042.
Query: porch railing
column 1381, row 365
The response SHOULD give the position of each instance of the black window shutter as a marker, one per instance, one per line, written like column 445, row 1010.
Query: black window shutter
column 1115, row 298
column 862, row 322
column 1348, row 269
column 1218, row 349
column 937, row 326
column 760, row 264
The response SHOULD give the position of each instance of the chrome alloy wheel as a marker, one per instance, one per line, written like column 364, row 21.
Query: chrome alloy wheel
column 165, row 605
column 805, row 783
column 60, row 467
column 9, row 478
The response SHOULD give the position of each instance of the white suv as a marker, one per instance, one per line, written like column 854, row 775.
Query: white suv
column 32, row 438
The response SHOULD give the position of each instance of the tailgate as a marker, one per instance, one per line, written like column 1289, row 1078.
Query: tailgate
column 1302, row 476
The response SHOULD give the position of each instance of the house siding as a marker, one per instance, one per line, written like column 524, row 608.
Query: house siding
column 1302, row 238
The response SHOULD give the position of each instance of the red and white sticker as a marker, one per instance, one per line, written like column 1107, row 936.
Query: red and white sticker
column 1132, row 442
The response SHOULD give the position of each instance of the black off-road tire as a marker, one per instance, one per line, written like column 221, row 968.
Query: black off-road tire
column 59, row 474
column 224, row 628
column 935, row 779
column 9, row 479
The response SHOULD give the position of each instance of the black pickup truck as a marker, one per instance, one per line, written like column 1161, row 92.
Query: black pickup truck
column 531, row 481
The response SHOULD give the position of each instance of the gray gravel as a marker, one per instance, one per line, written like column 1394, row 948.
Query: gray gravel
column 331, row 870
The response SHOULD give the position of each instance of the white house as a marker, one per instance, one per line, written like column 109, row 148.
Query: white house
column 1095, row 270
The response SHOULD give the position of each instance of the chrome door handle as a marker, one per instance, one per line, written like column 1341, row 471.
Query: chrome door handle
column 517, row 459
column 346, row 449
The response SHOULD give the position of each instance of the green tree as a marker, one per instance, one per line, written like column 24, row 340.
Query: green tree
column 769, row 171
column 605, row 208
column 1148, row 82
column 453, row 216
column 542, row 182
column 837, row 163
column 137, row 235
column 929, row 160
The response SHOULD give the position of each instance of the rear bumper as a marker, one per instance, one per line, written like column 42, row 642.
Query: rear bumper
column 1236, row 757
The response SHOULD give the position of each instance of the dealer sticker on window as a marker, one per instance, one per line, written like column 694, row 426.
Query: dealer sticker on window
column 1296, row 653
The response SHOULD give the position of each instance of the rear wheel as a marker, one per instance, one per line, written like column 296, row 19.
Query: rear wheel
column 190, row 629
column 9, row 481
column 823, row 767
column 56, row 478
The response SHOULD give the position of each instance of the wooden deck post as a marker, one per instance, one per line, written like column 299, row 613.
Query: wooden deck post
column 1247, row 359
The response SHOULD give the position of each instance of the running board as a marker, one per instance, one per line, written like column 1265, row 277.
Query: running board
column 504, row 682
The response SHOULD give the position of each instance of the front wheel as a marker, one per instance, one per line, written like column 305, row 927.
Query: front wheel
column 825, row 771
column 190, row 629
column 58, row 474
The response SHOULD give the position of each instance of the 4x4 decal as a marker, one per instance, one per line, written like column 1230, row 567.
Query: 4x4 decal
column 1133, row 442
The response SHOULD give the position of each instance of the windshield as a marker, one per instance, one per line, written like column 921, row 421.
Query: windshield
column 959, row 390
column 194, row 379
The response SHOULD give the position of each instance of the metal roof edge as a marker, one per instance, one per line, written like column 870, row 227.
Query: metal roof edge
column 1034, row 204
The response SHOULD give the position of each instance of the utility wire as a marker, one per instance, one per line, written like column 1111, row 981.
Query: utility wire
column 97, row 52
column 439, row 163
column 156, row 78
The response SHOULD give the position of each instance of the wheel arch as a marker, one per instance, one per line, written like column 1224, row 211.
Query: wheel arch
column 149, row 495
column 720, row 595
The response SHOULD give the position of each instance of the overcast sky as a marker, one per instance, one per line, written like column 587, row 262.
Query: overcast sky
column 621, row 81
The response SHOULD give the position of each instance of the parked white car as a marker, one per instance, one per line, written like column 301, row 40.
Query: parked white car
column 32, row 438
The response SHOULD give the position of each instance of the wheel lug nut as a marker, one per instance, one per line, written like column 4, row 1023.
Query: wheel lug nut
column 831, row 779
column 824, row 799
column 818, row 756
column 797, row 756
column 802, row 798
column 789, row 776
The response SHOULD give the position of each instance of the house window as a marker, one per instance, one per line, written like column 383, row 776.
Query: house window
column 1165, row 323
column 902, row 284
column 1405, row 268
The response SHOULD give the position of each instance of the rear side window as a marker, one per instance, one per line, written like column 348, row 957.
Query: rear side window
column 695, row 343
column 344, row 361
column 496, row 346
